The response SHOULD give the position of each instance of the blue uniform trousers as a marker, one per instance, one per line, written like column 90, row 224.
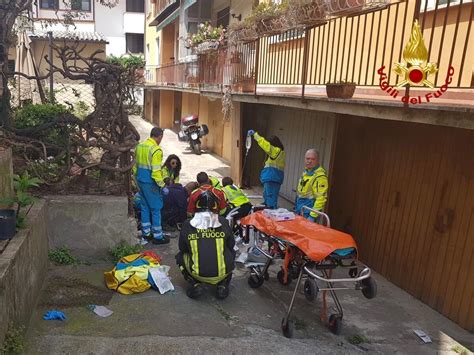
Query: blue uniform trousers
column 151, row 204
column 270, row 194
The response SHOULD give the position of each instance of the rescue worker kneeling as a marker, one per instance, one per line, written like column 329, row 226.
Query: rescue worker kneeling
column 206, row 248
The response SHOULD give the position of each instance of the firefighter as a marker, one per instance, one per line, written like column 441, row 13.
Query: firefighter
column 204, row 184
column 312, row 186
column 272, row 174
column 149, row 178
column 215, row 182
column 206, row 248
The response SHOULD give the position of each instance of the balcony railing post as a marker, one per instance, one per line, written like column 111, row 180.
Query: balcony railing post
column 304, row 72
column 416, row 16
column 257, row 60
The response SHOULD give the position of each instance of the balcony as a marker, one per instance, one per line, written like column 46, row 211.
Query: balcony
column 163, row 9
column 299, row 62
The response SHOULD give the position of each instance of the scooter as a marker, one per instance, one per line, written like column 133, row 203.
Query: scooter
column 192, row 132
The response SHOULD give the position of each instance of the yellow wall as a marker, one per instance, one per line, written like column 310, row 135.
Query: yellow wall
column 337, row 48
column 166, row 109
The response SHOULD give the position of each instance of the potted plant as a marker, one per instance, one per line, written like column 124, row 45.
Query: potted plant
column 340, row 89
column 12, row 219
column 351, row 7
column 245, row 82
column 236, row 57
column 243, row 31
column 305, row 13
column 207, row 38
column 270, row 18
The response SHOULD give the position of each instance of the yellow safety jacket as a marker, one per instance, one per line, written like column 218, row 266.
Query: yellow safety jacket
column 275, row 163
column 215, row 182
column 235, row 196
column 312, row 189
column 148, row 160
column 169, row 174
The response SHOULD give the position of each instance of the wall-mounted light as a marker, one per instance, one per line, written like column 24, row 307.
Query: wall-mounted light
column 237, row 17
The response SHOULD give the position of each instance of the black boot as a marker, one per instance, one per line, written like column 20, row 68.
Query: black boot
column 194, row 290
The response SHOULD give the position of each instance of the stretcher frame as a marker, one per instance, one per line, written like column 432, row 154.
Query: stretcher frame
column 299, row 265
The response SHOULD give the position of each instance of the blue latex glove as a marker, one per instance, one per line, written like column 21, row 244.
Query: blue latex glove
column 51, row 315
column 165, row 191
column 311, row 218
column 251, row 132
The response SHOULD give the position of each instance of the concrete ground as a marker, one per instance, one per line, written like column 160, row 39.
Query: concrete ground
column 247, row 322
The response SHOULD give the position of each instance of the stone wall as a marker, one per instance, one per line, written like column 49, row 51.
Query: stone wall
column 6, row 168
column 23, row 267
column 89, row 225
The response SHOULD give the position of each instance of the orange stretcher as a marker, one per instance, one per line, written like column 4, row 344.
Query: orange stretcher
column 309, row 251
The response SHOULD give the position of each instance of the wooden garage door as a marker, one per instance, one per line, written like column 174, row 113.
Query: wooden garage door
column 406, row 193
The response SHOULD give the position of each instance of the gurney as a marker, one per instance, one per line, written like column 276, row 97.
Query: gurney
column 310, row 252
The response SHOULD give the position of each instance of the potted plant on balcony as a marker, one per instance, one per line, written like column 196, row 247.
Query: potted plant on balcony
column 306, row 13
column 243, row 31
column 351, row 7
column 207, row 38
column 245, row 83
column 270, row 18
column 340, row 89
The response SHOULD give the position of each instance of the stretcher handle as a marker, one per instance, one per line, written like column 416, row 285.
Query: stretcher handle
column 364, row 274
column 324, row 215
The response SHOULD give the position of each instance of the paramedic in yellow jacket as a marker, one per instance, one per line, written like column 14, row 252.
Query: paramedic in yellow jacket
column 272, row 174
column 149, row 178
column 312, row 186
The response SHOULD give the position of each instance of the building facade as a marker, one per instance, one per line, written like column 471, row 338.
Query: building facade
column 399, row 160
column 121, row 26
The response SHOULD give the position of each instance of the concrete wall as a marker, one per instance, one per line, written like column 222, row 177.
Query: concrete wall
column 89, row 225
column 6, row 169
column 23, row 267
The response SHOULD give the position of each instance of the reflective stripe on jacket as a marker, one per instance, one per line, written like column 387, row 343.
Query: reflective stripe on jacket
column 167, row 173
column 208, row 253
column 235, row 196
column 148, row 159
column 215, row 182
column 313, row 185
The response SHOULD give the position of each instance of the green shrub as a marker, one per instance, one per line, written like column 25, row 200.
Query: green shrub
column 62, row 256
column 123, row 249
column 130, row 61
column 36, row 115
column 14, row 342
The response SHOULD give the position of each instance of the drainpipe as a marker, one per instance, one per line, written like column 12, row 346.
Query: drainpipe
column 51, row 79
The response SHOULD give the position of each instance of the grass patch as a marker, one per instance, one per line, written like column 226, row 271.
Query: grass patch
column 62, row 256
column 123, row 249
column 14, row 342
column 459, row 349
column 300, row 324
column 357, row 339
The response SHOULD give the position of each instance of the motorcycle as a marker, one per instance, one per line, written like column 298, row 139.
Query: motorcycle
column 192, row 132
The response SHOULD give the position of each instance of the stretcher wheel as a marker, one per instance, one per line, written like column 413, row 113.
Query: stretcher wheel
column 287, row 328
column 281, row 278
column 311, row 290
column 369, row 287
column 353, row 272
column 335, row 324
column 255, row 281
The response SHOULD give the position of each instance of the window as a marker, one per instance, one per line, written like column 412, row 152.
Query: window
column 223, row 17
column 81, row 5
column 49, row 4
column 134, row 42
column 135, row 6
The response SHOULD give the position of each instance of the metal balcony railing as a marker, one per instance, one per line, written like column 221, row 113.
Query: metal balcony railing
column 347, row 48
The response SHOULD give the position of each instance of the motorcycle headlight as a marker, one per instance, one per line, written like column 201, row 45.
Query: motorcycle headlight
column 194, row 136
